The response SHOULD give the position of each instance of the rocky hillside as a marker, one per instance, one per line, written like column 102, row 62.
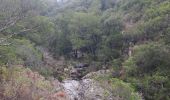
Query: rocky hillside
column 84, row 49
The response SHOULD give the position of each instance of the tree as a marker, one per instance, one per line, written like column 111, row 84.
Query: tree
column 15, row 11
column 85, row 32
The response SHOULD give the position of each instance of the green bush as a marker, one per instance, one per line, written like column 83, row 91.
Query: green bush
column 149, row 57
column 148, row 70
column 21, row 83
column 26, row 51
column 20, row 51
column 7, row 55
column 124, row 90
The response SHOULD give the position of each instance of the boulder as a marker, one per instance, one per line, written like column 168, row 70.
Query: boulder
column 81, row 65
column 98, row 73
column 87, row 89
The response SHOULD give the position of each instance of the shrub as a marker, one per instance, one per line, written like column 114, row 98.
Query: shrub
column 148, row 70
column 19, row 83
column 124, row 90
column 148, row 58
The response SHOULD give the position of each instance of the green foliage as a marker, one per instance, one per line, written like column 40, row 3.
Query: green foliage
column 27, row 52
column 19, row 83
column 119, row 89
column 21, row 51
column 152, row 20
column 101, row 30
column 111, row 22
column 148, row 70
column 84, row 28
column 124, row 90
column 150, row 57
column 7, row 54
column 111, row 48
column 155, row 87
column 60, row 45
column 167, row 36
column 42, row 29
column 160, row 10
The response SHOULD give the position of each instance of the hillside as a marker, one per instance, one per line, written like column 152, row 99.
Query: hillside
column 110, row 49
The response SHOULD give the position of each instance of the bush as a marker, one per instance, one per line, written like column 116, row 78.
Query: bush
column 148, row 70
column 124, row 90
column 26, row 51
column 119, row 90
column 148, row 58
column 20, row 52
column 7, row 55
column 19, row 83
column 155, row 87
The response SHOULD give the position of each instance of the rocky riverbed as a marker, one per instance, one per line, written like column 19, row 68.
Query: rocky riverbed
column 86, row 89
column 78, row 87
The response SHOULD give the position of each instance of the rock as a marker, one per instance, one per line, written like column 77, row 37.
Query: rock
column 98, row 73
column 78, row 71
column 115, row 74
column 66, row 69
column 71, row 88
column 81, row 65
column 87, row 89
column 92, row 90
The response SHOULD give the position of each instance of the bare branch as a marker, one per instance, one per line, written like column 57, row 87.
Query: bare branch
column 11, row 22
column 10, row 36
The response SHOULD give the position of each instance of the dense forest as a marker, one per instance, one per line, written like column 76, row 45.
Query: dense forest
column 43, row 41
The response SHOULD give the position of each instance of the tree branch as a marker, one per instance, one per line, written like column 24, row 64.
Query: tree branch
column 10, row 36
column 10, row 22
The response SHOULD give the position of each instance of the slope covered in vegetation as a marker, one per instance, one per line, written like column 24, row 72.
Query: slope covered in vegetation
column 131, row 38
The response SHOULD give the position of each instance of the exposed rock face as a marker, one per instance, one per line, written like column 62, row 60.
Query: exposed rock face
column 71, row 88
column 87, row 89
column 92, row 90
column 81, row 65
column 98, row 73
column 78, row 71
